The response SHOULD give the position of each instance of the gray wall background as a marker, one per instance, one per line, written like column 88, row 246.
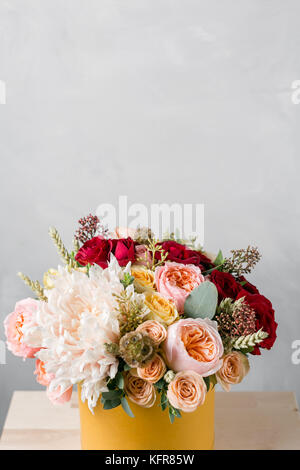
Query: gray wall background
column 164, row 101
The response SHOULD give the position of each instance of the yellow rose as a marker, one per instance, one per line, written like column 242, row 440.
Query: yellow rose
column 143, row 278
column 161, row 309
column 49, row 277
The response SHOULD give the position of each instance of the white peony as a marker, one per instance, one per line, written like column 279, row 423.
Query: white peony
column 74, row 325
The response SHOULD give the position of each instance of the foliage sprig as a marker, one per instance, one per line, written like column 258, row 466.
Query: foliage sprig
column 249, row 341
column 62, row 250
column 35, row 286
column 242, row 261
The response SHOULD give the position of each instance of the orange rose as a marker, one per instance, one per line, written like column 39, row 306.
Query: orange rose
column 154, row 371
column 154, row 329
column 139, row 391
column 187, row 391
column 234, row 368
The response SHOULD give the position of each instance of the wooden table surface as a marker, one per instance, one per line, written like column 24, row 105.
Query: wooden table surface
column 244, row 420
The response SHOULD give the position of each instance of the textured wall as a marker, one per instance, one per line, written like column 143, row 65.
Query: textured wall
column 163, row 101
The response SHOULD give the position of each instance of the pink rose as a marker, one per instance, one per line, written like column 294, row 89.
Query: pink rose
column 14, row 324
column 175, row 281
column 194, row 344
column 59, row 398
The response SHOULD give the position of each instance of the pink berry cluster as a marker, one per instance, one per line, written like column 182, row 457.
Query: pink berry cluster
column 87, row 228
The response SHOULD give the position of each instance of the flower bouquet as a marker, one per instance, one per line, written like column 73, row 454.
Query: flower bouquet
column 142, row 326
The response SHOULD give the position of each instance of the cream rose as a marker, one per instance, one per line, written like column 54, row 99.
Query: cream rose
column 234, row 368
column 139, row 391
column 154, row 371
column 187, row 391
column 143, row 278
column 154, row 329
column 161, row 309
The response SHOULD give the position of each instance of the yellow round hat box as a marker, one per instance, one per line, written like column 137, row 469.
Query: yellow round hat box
column 150, row 429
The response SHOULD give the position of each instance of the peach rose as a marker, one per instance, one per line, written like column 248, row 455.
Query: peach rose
column 194, row 344
column 154, row 329
column 161, row 309
column 42, row 377
column 143, row 278
column 154, row 371
column 175, row 281
column 139, row 391
column 187, row 391
column 59, row 398
column 234, row 368
column 16, row 322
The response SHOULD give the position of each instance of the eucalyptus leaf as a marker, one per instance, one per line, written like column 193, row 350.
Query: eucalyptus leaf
column 202, row 301
column 126, row 407
column 109, row 404
column 112, row 395
column 171, row 415
column 120, row 380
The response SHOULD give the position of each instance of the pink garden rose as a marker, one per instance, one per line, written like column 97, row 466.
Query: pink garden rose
column 14, row 324
column 194, row 344
column 175, row 281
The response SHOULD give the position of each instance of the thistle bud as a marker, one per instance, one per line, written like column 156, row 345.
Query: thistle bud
column 136, row 348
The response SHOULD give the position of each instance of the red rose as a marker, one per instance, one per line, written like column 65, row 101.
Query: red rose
column 226, row 284
column 94, row 251
column 98, row 251
column 264, row 318
column 181, row 254
column 246, row 285
column 124, row 250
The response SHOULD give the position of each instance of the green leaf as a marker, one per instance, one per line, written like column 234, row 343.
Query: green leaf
column 109, row 404
column 119, row 380
column 213, row 380
column 219, row 259
column 247, row 350
column 128, row 279
column 163, row 401
column 160, row 384
column 207, row 382
column 171, row 415
column 127, row 367
column 112, row 394
column 202, row 301
column 126, row 407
